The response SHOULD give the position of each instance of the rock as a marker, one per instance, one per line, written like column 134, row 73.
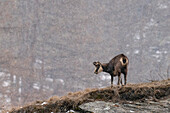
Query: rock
column 102, row 107
column 110, row 107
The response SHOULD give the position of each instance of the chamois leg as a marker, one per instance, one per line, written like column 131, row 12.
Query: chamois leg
column 111, row 81
column 119, row 79
column 125, row 77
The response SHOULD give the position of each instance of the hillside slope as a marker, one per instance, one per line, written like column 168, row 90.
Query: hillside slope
column 46, row 45
column 134, row 92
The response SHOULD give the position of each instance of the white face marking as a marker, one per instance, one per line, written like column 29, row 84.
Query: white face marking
column 121, row 60
column 100, row 69
column 95, row 70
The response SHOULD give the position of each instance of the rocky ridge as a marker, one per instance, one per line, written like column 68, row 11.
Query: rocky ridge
column 129, row 98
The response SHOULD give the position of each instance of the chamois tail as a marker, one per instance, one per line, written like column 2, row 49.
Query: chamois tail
column 124, row 60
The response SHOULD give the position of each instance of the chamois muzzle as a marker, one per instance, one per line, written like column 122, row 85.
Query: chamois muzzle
column 95, row 72
column 98, row 67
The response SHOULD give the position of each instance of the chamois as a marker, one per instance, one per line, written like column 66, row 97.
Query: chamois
column 115, row 67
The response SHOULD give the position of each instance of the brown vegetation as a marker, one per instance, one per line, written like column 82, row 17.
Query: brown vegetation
column 133, row 92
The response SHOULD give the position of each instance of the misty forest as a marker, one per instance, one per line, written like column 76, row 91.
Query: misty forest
column 47, row 47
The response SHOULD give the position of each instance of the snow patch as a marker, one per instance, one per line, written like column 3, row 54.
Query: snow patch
column 70, row 111
column 2, row 74
column 152, row 22
column 19, row 90
column 107, row 108
column 14, row 79
column 136, row 52
column 19, row 99
column 137, row 36
column 132, row 111
column 156, row 56
column 165, row 52
column 20, row 81
column 60, row 81
column 104, row 77
column 8, row 100
column 162, row 6
column 100, row 85
column 36, row 86
column 46, row 87
column 38, row 61
column 127, row 52
column 168, row 42
column 127, row 45
column 38, row 64
column 158, row 60
column 158, row 52
column 49, row 79
column 44, row 103
column 6, row 83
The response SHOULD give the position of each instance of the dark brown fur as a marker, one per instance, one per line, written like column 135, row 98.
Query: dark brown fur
column 115, row 68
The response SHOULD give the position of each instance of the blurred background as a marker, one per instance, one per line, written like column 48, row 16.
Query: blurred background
column 47, row 47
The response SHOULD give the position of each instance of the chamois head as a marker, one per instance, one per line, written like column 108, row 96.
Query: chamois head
column 98, row 67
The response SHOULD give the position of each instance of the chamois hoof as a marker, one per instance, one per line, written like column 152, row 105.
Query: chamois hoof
column 123, row 84
column 119, row 86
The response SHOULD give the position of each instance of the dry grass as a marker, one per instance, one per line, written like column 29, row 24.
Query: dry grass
column 131, row 92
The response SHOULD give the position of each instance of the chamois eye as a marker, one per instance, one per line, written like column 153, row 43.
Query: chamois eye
column 94, row 63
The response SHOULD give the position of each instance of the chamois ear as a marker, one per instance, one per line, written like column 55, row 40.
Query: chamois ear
column 94, row 63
